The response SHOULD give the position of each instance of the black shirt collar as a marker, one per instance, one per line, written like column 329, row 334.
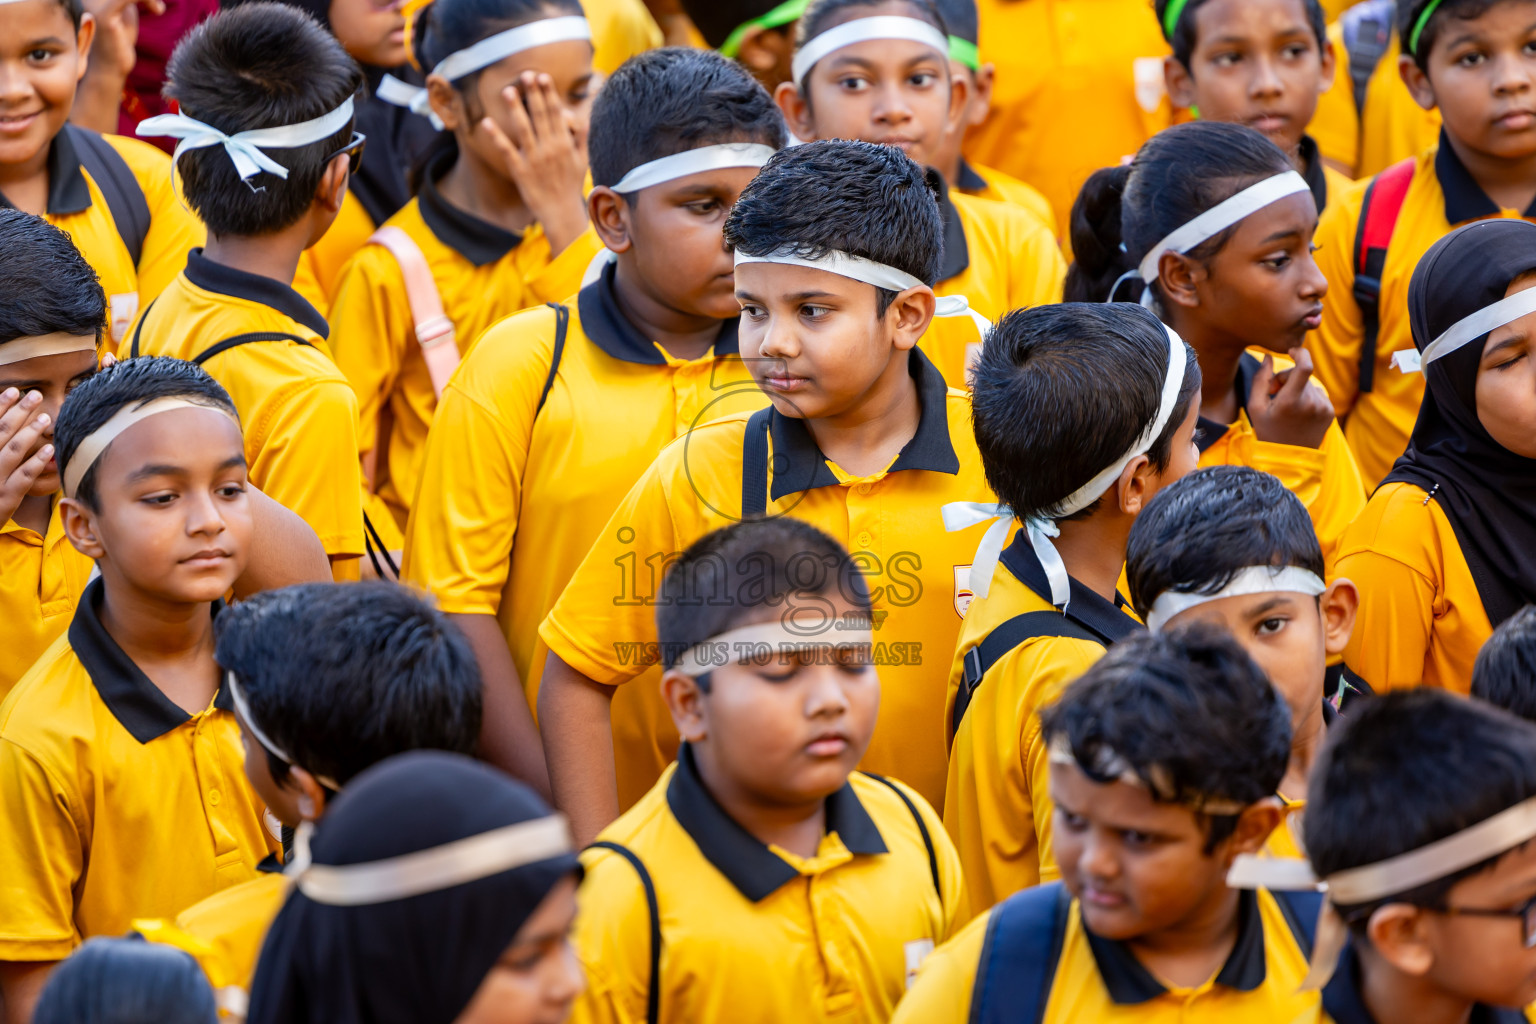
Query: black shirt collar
column 970, row 180
column 1312, row 171
column 1464, row 198
column 604, row 322
column 67, row 188
column 1343, row 1002
column 1129, row 983
column 477, row 240
column 956, row 255
column 754, row 869
column 805, row 467
column 1102, row 618
column 1209, row 431
column 223, row 280
column 136, row 702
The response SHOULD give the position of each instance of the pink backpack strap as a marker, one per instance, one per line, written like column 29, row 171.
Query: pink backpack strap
column 434, row 331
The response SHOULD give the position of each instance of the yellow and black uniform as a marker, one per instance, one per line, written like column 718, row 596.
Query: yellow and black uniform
column 987, row 183
column 532, row 450
column 482, row 273
column 603, row 624
column 1443, row 195
column 1005, row 957
column 117, row 804
column 751, row 932
column 113, row 196
column 41, row 579
column 995, row 801
column 298, row 413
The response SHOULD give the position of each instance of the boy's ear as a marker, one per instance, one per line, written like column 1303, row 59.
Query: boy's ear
column 609, row 213
column 1179, row 82
column 909, row 316
column 1419, row 86
column 332, row 190
column 1131, row 491
column 959, row 98
column 1254, row 825
column 981, row 103
column 797, row 113
column 80, row 527
column 311, row 793
column 686, row 702
column 84, row 36
column 1330, row 66
column 446, row 102
column 1180, row 277
column 1399, row 933
column 1339, row 604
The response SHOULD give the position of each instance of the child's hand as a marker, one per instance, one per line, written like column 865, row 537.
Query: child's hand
column 1284, row 408
column 545, row 156
column 20, row 427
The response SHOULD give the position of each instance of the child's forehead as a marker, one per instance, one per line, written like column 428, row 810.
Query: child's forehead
column 786, row 281
column 184, row 438
column 1218, row 15
column 1118, row 803
column 25, row 18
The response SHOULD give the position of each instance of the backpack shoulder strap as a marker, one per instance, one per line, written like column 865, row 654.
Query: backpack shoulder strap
column 562, row 328
column 754, row 465
column 133, row 346
column 1010, row 634
column 1301, row 911
column 1367, row 36
column 1019, row 956
column 124, row 196
column 220, row 347
column 922, row 828
column 653, row 999
column 434, row 331
column 1384, row 199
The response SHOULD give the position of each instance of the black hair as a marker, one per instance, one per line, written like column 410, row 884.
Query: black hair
column 46, row 286
column 1409, row 12
column 672, row 100
column 259, row 65
column 1060, row 392
column 1406, row 769
column 717, row 19
column 343, row 675
column 76, row 11
column 1203, row 530
column 856, row 197
column 98, row 398
column 814, row 21
column 1183, row 39
column 1180, row 173
column 1188, row 711
column 961, row 19
column 728, row 577
column 1505, row 672
column 126, row 981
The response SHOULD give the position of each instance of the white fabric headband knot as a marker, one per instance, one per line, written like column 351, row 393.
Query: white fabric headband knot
column 766, row 640
column 960, row 515
column 1255, row 579
column 1467, row 330
column 90, row 448
column 862, row 31
column 245, row 149
column 237, row 694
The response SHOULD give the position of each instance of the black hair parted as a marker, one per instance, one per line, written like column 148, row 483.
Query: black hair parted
column 259, row 65
column 1505, row 672
column 961, row 19
column 344, row 675
column 1180, row 173
column 46, row 285
column 1188, row 711
column 1406, row 769
column 717, row 19
column 1184, row 37
column 671, row 100
column 1409, row 12
column 98, row 398
column 1060, row 392
column 1201, row 531
column 819, row 15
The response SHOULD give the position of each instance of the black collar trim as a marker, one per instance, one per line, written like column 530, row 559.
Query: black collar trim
column 1313, row 173
column 68, row 191
column 477, row 240
column 603, row 321
column 1102, row 618
column 223, row 280
column 805, row 467
column 957, row 255
column 1208, row 432
column 136, row 702
column 1344, row 1004
column 270, row 865
column 1129, row 983
column 970, row 180
column 754, row 869
column 1464, row 198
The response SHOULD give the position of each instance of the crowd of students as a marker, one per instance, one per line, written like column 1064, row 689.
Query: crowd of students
column 905, row 510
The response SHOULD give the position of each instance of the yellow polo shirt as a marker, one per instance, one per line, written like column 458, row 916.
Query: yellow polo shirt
column 989, row 183
column 482, row 272
column 41, row 580
column 117, row 803
column 298, row 413
column 1377, row 423
column 621, row 29
column 513, row 496
column 996, row 805
column 1336, row 122
column 603, row 624
column 750, row 932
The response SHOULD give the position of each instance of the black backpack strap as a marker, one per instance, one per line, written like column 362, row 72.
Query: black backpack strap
column 653, row 999
column 1019, row 956
column 562, row 327
column 220, row 347
column 124, row 196
column 378, row 549
column 1015, row 631
column 922, row 827
column 1301, row 911
column 1367, row 36
column 133, row 348
column 754, row 465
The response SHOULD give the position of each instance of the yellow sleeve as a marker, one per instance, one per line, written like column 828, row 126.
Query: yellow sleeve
column 1390, row 642
column 1039, row 272
column 174, row 229
column 612, row 938
column 1069, row 659
column 952, row 892
column 560, row 278
column 370, row 327
column 42, row 857
column 943, row 990
column 1335, row 346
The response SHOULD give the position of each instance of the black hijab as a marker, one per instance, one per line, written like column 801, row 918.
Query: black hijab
column 417, row 960
column 1486, row 491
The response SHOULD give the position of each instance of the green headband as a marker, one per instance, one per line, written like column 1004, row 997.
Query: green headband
column 963, row 51
column 1418, row 26
column 1171, row 15
column 786, row 12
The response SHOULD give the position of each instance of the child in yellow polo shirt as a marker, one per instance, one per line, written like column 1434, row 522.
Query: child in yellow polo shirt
column 122, row 794
column 758, row 33
column 778, row 883
column 1082, row 412
column 1503, row 673
column 559, row 410
column 1164, row 758
column 835, row 243
column 1230, row 268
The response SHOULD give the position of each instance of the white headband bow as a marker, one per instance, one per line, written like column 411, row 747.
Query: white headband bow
column 245, row 149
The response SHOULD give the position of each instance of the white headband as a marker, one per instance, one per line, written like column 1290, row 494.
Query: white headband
column 960, row 515
column 1113, row 766
column 238, row 696
column 245, row 149
column 862, row 31
column 56, row 344
column 1255, row 579
column 1468, row 329
column 90, row 449
column 695, row 161
column 769, row 639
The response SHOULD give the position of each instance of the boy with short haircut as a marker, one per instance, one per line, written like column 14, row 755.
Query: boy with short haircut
column 557, row 411
column 1505, row 672
column 270, row 69
column 762, row 845
column 1484, row 166
column 758, row 33
column 1082, row 412
column 863, row 440
column 119, row 755
column 1165, row 756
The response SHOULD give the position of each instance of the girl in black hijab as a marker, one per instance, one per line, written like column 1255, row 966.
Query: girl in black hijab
column 439, row 891
column 1446, row 547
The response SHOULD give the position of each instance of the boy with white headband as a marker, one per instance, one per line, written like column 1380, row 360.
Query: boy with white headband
column 120, row 777
column 559, row 409
column 780, row 883
column 1081, row 414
